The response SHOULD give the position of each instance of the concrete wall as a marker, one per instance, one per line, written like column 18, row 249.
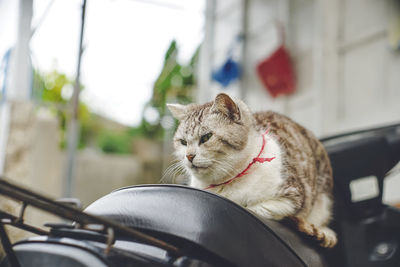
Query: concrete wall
column 98, row 174
column 31, row 159
column 347, row 76
column 34, row 160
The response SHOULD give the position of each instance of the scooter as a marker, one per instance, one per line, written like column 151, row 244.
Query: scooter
column 172, row 225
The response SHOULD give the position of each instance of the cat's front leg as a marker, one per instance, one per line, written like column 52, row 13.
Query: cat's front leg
column 275, row 209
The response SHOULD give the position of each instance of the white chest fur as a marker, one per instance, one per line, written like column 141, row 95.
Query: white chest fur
column 261, row 181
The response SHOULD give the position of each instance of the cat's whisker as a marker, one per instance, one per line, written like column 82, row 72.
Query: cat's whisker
column 224, row 171
column 172, row 166
column 225, row 163
column 225, row 168
column 228, row 168
column 171, row 170
column 179, row 170
column 207, row 161
column 182, row 172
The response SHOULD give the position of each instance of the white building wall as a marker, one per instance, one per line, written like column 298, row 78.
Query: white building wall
column 347, row 76
column 224, row 21
column 365, row 69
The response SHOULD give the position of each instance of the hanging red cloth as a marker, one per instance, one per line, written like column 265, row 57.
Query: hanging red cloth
column 276, row 71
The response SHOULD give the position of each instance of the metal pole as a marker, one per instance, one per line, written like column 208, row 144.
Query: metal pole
column 20, row 75
column 83, row 220
column 73, row 126
column 17, row 74
column 244, row 33
column 5, row 116
column 7, row 246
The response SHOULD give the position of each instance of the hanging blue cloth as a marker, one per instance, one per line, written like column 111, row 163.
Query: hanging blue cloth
column 227, row 73
column 230, row 71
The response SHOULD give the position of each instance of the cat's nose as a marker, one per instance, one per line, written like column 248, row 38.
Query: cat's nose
column 190, row 157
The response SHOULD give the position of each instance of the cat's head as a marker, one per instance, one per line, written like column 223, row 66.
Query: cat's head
column 211, row 138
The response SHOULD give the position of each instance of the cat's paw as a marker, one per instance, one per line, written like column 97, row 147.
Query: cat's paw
column 325, row 236
column 328, row 239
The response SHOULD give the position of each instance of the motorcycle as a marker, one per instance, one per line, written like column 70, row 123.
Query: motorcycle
column 173, row 225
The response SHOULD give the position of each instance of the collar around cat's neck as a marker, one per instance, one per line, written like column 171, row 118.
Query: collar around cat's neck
column 256, row 159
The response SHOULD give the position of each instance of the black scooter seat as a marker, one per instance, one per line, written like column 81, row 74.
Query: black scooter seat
column 212, row 222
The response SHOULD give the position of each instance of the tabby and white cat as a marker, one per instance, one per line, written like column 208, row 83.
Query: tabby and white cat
column 262, row 161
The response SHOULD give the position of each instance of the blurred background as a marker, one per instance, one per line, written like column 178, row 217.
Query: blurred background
column 83, row 84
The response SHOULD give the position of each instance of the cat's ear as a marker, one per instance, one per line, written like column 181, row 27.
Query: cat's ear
column 177, row 110
column 224, row 104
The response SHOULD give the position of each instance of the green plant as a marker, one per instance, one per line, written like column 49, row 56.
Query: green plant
column 115, row 142
column 174, row 83
column 54, row 89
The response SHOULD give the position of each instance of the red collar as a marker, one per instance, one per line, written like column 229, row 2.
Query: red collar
column 256, row 159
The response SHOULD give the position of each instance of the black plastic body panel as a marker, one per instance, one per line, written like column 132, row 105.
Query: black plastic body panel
column 34, row 254
column 364, row 226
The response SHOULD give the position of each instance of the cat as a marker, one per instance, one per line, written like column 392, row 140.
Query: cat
column 264, row 162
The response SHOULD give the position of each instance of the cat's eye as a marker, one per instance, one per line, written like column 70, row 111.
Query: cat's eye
column 205, row 138
column 183, row 142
